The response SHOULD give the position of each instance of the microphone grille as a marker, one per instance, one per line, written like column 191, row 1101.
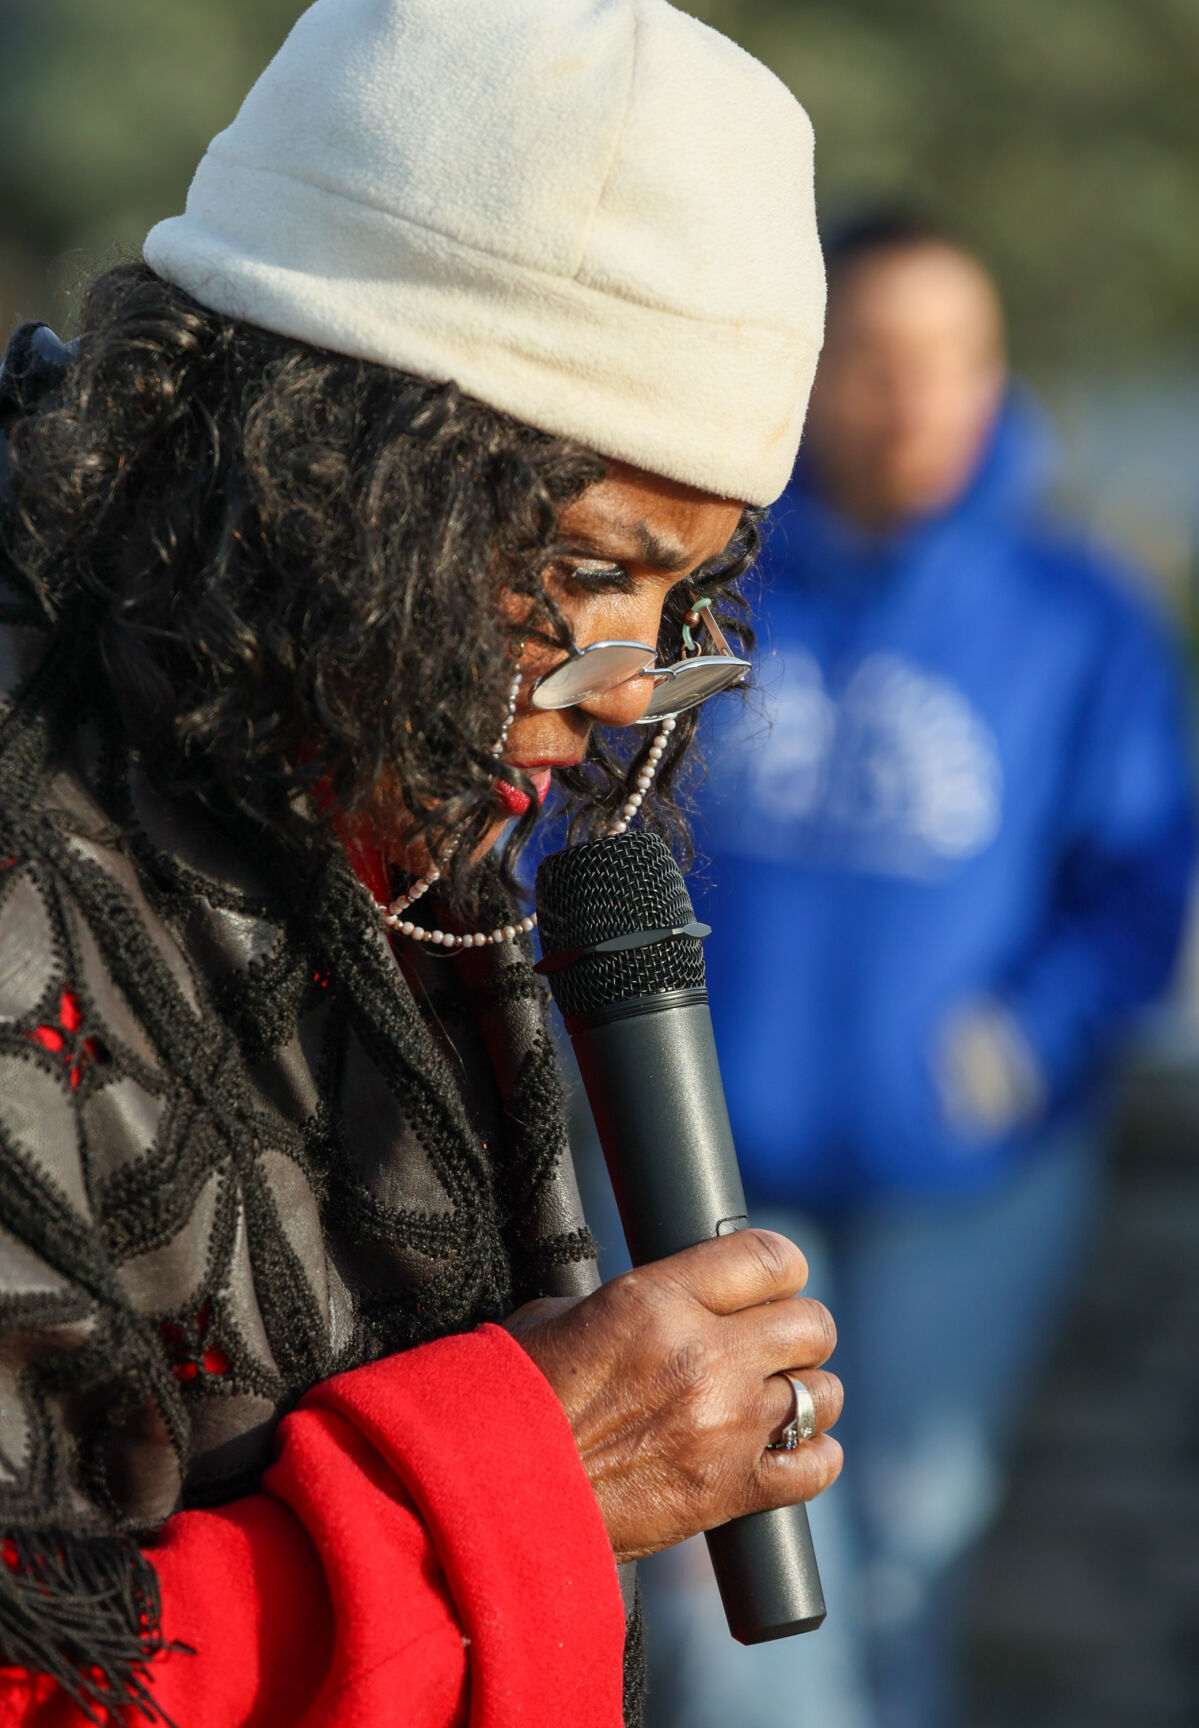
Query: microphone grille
column 614, row 887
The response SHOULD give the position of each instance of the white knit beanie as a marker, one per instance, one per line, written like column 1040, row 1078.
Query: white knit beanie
column 596, row 215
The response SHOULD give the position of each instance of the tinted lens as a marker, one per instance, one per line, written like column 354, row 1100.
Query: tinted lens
column 690, row 681
column 600, row 666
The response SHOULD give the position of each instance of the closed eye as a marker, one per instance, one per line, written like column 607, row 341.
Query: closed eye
column 598, row 576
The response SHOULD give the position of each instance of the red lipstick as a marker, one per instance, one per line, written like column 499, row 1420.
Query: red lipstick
column 516, row 802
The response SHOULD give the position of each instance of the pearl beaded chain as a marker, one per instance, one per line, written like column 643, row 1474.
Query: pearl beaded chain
column 393, row 915
column 645, row 779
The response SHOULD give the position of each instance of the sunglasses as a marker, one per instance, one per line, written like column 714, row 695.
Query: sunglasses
column 604, row 666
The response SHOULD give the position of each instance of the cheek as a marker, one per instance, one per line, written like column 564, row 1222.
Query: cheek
column 946, row 437
column 859, row 424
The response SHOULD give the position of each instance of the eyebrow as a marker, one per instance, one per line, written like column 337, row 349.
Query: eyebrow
column 647, row 548
column 659, row 554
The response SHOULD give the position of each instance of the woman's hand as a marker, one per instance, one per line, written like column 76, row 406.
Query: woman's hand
column 669, row 1377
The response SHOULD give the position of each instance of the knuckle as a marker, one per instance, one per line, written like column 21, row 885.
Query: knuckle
column 696, row 1382
column 828, row 1464
column 819, row 1466
column 788, row 1477
column 668, row 1328
column 773, row 1255
column 688, row 1372
column 832, row 1400
column 639, row 1297
column 655, row 1289
column 607, row 1305
column 820, row 1331
column 709, row 1418
column 627, row 1288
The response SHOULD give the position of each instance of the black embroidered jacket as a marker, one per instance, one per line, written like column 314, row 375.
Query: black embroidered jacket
column 241, row 1149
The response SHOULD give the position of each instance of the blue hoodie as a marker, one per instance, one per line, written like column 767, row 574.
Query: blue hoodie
column 965, row 774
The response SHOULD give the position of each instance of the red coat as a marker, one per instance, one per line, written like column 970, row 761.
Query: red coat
column 426, row 1551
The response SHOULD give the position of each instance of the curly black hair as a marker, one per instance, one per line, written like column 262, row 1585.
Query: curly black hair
column 287, row 565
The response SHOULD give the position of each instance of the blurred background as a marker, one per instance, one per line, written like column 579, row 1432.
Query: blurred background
column 1060, row 138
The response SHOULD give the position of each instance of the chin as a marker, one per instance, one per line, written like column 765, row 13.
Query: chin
column 926, row 490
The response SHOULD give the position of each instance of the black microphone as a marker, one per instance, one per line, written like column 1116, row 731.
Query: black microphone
column 623, row 954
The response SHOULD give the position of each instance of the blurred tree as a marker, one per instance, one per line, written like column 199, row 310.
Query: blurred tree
column 1062, row 134
column 105, row 110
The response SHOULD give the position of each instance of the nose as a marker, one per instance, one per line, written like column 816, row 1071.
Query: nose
column 633, row 617
column 622, row 706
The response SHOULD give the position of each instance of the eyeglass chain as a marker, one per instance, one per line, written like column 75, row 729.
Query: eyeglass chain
column 393, row 914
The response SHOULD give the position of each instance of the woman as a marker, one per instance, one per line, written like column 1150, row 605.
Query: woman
column 434, row 386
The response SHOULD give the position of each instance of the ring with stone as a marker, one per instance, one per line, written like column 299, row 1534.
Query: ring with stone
column 802, row 1422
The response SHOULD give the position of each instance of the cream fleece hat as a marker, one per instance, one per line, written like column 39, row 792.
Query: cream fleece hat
column 595, row 215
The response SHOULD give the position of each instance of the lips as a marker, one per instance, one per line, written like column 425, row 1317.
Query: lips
column 516, row 802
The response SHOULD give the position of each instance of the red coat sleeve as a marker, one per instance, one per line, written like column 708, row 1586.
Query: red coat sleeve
column 426, row 1551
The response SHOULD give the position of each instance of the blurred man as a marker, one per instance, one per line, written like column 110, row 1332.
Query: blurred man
column 946, row 873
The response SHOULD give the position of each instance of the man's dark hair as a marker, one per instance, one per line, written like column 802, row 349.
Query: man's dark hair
column 285, row 566
column 887, row 228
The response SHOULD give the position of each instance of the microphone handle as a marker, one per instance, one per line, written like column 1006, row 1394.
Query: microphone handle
column 653, row 1081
